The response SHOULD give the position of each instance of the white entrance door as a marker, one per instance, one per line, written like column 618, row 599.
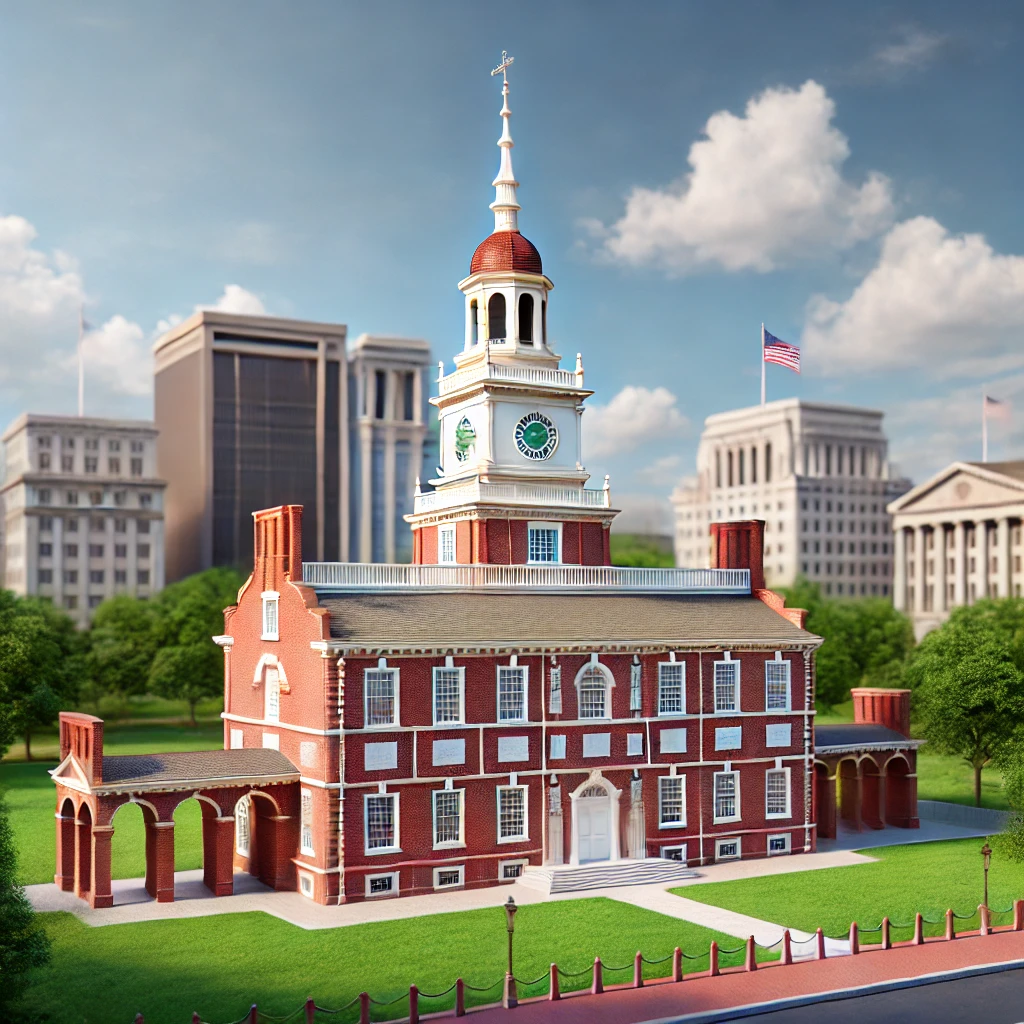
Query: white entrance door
column 593, row 814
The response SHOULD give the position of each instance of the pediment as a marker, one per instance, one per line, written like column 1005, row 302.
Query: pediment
column 71, row 774
column 962, row 487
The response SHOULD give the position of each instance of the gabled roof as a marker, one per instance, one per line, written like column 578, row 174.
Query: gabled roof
column 1009, row 474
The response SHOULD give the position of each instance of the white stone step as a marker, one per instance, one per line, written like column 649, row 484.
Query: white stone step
column 604, row 875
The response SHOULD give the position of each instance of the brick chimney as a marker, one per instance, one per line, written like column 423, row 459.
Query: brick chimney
column 82, row 736
column 879, row 706
column 740, row 545
column 277, row 546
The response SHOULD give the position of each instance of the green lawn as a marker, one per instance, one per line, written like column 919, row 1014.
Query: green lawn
column 219, row 965
column 924, row 878
column 32, row 802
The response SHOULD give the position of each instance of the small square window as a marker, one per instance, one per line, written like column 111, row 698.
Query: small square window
column 511, row 869
column 382, row 885
column 727, row 849
column 778, row 844
column 449, row 878
column 674, row 853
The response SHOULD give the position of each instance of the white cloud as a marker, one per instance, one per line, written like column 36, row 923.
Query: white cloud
column 661, row 471
column 912, row 49
column 946, row 305
column 764, row 189
column 118, row 355
column 237, row 299
column 633, row 416
column 642, row 513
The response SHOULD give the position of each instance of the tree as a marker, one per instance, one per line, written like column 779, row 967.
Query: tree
column 23, row 944
column 968, row 681
column 122, row 646
column 188, row 665
column 642, row 550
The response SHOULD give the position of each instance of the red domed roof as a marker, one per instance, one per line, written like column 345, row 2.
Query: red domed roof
column 506, row 250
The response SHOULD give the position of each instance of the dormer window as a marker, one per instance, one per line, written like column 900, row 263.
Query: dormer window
column 270, row 627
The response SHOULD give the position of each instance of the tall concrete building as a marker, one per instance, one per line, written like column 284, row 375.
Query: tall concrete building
column 255, row 411
column 957, row 539
column 83, row 510
column 818, row 474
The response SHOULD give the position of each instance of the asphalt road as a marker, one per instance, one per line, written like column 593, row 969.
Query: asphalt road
column 987, row 999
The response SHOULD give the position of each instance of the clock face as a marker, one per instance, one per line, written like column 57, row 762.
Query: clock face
column 536, row 436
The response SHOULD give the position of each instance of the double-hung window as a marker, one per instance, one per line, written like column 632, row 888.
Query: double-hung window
column 727, row 796
column 448, row 818
column 511, row 693
column 381, row 822
column 776, row 685
column 449, row 696
column 593, row 693
column 671, row 688
column 776, row 793
column 270, row 627
column 544, row 543
column 380, row 694
column 512, row 825
column 672, row 801
column 727, row 686
column 446, row 545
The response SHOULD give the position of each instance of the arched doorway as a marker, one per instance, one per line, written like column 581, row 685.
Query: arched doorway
column 595, row 821
column 900, row 794
column 128, row 844
column 824, row 801
column 871, row 793
column 848, row 777
column 83, row 851
column 65, row 876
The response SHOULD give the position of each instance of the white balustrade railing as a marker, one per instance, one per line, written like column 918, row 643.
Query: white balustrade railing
column 499, row 371
column 368, row 576
column 513, row 494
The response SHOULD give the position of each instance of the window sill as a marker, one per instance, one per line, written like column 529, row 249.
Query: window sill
column 672, row 824
column 389, row 727
column 448, row 725
column 726, row 821
column 270, row 636
column 673, row 715
column 514, row 839
column 382, row 851
column 450, row 846
column 778, row 817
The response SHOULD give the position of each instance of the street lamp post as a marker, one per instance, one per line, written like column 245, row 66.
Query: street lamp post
column 509, row 998
column 986, row 854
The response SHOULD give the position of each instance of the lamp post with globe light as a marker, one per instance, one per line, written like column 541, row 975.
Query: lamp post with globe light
column 986, row 855
column 509, row 998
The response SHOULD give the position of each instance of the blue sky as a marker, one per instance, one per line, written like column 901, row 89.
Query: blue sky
column 849, row 174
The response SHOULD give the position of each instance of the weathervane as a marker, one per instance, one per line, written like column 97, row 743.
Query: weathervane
column 502, row 68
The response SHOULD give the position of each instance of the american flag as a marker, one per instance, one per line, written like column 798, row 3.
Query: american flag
column 776, row 351
column 996, row 408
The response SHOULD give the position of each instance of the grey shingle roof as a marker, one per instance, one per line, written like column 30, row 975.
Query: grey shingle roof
column 854, row 734
column 473, row 618
column 209, row 766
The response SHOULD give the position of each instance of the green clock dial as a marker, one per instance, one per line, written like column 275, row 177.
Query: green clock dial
column 536, row 436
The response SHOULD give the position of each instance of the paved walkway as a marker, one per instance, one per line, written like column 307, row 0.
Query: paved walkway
column 929, row 832
column 738, row 994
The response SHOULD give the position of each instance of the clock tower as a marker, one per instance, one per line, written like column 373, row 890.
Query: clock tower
column 511, row 485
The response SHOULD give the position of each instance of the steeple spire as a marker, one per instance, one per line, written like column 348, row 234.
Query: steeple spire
column 505, row 206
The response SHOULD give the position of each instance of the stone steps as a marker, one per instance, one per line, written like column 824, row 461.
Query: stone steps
column 604, row 875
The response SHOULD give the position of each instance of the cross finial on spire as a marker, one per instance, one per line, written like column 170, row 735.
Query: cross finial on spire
column 502, row 68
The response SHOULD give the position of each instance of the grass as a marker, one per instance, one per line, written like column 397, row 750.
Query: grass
column 924, row 878
column 31, row 800
column 220, row 965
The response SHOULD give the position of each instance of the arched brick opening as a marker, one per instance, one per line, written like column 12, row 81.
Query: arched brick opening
column 65, row 876
column 872, row 790
column 900, row 794
column 273, row 840
column 83, row 851
column 849, row 792
column 825, row 800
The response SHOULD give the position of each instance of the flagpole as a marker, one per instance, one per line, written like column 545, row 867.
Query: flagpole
column 762, row 364
column 984, row 427
column 81, row 362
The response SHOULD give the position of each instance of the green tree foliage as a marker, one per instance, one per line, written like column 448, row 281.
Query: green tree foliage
column 968, row 681
column 41, row 662
column 866, row 641
column 122, row 646
column 23, row 944
column 188, row 665
column 643, row 551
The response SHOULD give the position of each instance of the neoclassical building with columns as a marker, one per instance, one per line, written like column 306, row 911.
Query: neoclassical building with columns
column 957, row 538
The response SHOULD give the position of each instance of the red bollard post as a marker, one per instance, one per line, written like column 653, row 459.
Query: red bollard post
column 787, row 947
column 918, row 930
column 196, row 1019
column 364, row 1008
column 638, row 970
column 414, row 1005
column 854, row 938
column 820, row 936
column 1018, row 915
column 950, row 926
column 677, row 964
column 984, row 921
column 597, row 985
column 460, row 998
column 751, row 964
column 713, row 960
column 139, row 1019
column 886, row 940
column 554, row 992
column 310, row 1011
column 254, row 1015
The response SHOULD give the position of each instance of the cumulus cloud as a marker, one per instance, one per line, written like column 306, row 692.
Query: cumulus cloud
column 764, row 189
column 947, row 305
column 237, row 299
column 633, row 416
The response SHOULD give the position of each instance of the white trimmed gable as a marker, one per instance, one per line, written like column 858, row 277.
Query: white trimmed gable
column 963, row 485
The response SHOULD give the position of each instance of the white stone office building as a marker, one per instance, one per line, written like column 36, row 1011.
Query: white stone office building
column 83, row 510
column 818, row 474
column 957, row 539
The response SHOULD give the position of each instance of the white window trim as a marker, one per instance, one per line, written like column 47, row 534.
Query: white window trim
column 308, row 850
column 462, row 694
column 526, row 693
column 377, row 851
column 731, row 839
column 237, row 739
column 609, row 684
column 397, row 690
column 245, row 806
column 271, row 597
column 789, row 795
column 447, row 531
column 544, row 525
column 454, row 844
column 789, row 685
column 672, row 824
column 460, row 868
column 524, row 862
column 672, row 714
column 735, row 686
column 267, row 691
column 306, row 881
column 526, row 815
column 393, row 891
column 738, row 815
column 674, row 846
column 779, row 853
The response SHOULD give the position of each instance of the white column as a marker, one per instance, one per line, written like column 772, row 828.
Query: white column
column 981, row 563
column 1003, row 550
column 960, row 564
column 940, row 567
column 920, row 565
column 899, row 569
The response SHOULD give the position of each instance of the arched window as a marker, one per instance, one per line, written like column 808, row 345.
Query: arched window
column 242, row 831
column 592, row 688
column 474, row 325
column 496, row 316
column 526, row 318
column 544, row 321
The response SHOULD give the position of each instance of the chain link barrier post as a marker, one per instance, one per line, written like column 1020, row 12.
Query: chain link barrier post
column 196, row 1019
column 139, row 1019
column 638, row 970
column 364, row 1008
column 950, row 925
column 820, row 944
column 460, row 998
column 750, row 963
column 983, row 919
column 787, row 947
column 1018, row 915
column 854, row 939
column 414, row 1005
column 713, row 960
column 554, row 991
column 597, row 984
column 918, row 939
column 886, row 937
column 677, row 964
